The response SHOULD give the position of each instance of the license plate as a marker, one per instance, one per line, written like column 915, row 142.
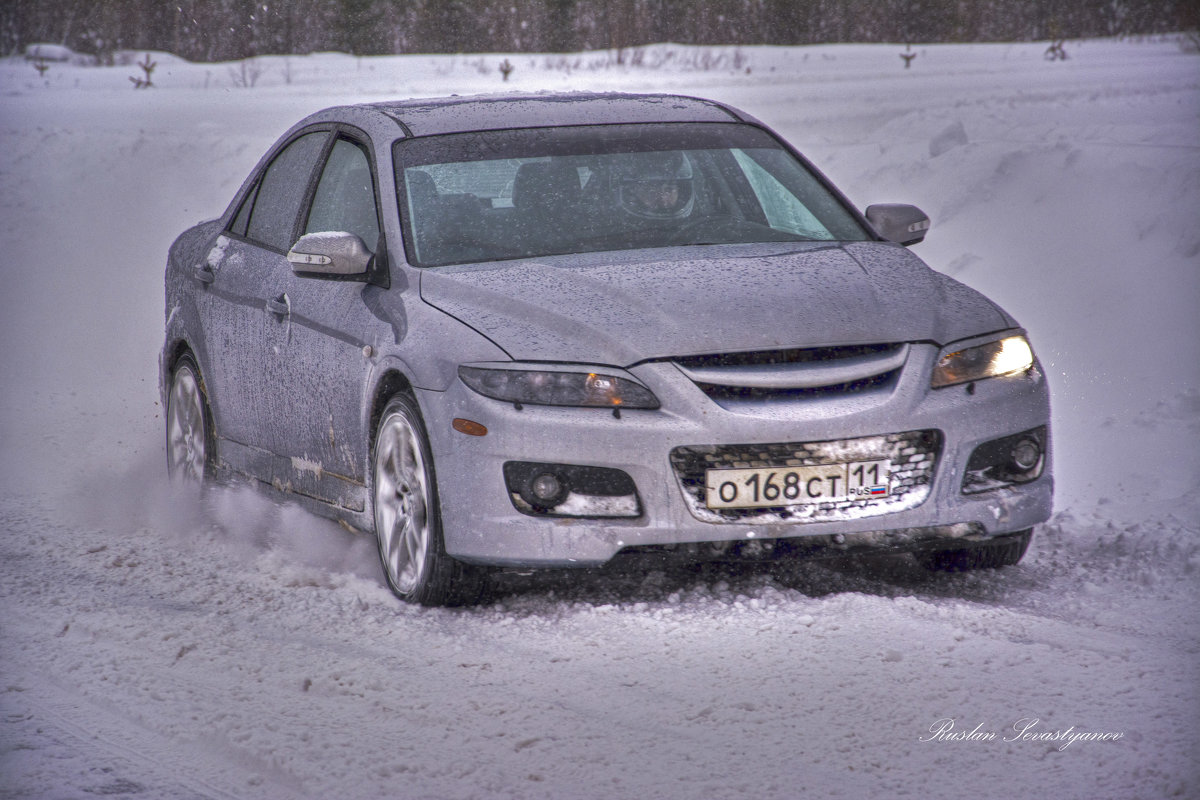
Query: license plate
column 790, row 486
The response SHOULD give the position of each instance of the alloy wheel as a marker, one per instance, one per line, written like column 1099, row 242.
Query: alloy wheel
column 402, row 502
column 187, row 427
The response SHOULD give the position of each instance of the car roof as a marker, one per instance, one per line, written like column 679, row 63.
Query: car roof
column 458, row 114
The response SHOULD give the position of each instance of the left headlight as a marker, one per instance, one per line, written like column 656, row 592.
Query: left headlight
column 554, row 388
column 1001, row 357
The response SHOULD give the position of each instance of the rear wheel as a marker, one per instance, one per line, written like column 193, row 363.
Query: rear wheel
column 188, row 430
column 407, row 518
column 1003, row 551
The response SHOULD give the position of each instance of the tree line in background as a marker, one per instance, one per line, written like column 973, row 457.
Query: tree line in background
column 223, row 30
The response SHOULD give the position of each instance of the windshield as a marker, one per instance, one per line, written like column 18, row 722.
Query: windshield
column 499, row 195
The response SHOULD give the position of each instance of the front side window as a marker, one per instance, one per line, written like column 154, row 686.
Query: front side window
column 345, row 195
column 530, row 193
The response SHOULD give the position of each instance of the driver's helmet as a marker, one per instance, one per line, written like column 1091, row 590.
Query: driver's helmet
column 656, row 185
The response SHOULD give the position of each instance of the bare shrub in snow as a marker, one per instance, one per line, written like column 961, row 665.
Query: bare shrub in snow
column 147, row 67
column 1056, row 51
column 247, row 73
column 653, row 58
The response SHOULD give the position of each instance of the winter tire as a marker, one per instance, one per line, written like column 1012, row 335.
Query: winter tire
column 407, row 517
column 1003, row 551
column 189, row 434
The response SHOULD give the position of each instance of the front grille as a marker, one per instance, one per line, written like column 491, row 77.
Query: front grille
column 913, row 456
column 795, row 374
column 751, row 394
column 792, row 356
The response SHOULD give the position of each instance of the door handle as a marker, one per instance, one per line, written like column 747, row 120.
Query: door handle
column 280, row 306
column 204, row 273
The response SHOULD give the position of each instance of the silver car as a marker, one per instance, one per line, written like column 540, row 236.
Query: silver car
column 555, row 330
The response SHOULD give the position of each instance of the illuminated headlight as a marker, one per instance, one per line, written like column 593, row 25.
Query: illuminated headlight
column 1001, row 357
column 549, row 388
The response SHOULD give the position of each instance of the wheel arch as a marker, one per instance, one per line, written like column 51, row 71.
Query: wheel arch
column 176, row 351
column 391, row 382
column 172, row 352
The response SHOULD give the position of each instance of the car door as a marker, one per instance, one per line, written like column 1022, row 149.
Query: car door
column 242, row 304
column 318, row 366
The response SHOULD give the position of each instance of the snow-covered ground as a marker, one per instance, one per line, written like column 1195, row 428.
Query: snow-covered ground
column 253, row 651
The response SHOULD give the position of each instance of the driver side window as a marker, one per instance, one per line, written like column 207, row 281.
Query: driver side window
column 345, row 196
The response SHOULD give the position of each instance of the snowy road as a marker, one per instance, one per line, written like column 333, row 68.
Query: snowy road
column 249, row 650
column 213, row 662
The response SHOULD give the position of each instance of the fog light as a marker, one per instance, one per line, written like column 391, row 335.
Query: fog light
column 570, row 490
column 546, row 488
column 1015, row 459
column 1026, row 454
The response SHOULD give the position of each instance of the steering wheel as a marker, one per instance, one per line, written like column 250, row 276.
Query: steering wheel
column 714, row 222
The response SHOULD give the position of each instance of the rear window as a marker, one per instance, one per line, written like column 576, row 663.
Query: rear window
column 500, row 195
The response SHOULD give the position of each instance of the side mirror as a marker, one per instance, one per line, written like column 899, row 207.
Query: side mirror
column 330, row 254
column 902, row 224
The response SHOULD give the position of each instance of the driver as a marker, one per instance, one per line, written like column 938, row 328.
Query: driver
column 656, row 185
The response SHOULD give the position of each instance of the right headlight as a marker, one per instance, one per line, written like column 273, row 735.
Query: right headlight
column 558, row 388
column 1001, row 357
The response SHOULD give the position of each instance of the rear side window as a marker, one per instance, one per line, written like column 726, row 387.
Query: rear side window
column 275, row 205
column 242, row 220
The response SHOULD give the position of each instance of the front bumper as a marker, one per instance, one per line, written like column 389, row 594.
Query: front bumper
column 481, row 523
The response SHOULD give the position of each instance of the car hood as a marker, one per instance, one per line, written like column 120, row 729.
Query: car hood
column 619, row 310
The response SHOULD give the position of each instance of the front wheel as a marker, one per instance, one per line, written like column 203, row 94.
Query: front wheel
column 407, row 517
column 1003, row 551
